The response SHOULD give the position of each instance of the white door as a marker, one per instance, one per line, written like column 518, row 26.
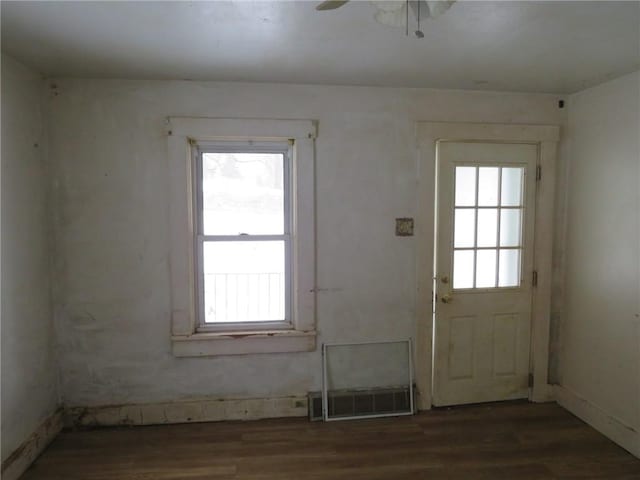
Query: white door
column 484, row 271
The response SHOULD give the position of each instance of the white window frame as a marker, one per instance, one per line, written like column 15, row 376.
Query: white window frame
column 284, row 148
column 186, row 136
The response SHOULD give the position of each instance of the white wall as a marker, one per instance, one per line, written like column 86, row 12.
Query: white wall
column 29, row 374
column 600, row 335
column 110, row 188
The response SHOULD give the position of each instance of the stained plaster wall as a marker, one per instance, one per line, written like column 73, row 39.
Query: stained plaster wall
column 110, row 188
column 29, row 371
column 600, row 333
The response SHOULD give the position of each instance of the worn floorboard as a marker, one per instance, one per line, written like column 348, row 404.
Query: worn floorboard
column 519, row 441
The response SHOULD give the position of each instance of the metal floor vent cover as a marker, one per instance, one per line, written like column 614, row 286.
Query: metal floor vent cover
column 354, row 403
column 366, row 380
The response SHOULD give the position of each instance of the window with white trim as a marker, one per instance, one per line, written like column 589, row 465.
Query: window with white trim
column 242, row 235
column 243, row 240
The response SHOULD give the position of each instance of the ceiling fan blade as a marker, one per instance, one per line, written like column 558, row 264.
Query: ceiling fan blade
column 430, row 8
column 439, row 7
column 330, row 5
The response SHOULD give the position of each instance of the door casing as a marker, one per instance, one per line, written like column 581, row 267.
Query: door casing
column 546, row 136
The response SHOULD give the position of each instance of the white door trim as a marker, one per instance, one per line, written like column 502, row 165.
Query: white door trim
column 427, row 134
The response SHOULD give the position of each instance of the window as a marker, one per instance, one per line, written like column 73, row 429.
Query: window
column 242, row 244
column 243, row 240
column 488, row 223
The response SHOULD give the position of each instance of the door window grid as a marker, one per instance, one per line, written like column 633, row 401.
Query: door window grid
column 488, row 218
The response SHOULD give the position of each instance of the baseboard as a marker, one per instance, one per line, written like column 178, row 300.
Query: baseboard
column 613, row 428
column 23, row 456
column 542, row 393
column 204, row 410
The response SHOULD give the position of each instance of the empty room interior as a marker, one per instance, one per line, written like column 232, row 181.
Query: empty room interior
column 262, row 240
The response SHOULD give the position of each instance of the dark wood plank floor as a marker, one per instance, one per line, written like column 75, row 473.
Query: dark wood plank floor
column 516, row 441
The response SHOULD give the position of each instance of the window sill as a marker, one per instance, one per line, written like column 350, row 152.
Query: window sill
column 243, row 343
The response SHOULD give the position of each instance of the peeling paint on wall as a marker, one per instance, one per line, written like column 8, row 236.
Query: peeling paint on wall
column 112, row 230
column 204, row 410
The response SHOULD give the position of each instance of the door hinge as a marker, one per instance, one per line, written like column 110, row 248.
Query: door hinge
column 539, row 172
column 530, row 380
column 534, row 279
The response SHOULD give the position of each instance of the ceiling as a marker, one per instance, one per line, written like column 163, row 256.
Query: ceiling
column 556, row 47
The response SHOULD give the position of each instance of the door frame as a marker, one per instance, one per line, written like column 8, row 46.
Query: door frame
column 427, row 135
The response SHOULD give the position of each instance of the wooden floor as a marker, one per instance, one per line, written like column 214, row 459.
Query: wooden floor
column 496, row 441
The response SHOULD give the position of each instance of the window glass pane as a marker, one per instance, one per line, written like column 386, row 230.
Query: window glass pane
column 464, row 228
column 244, row 281
column 509, row 275
column 511, row 187
column 487, row 227
column 485, row 268
column 243, row 193
column 488, row 186
column 463, row 269
column 510, row 227
column 465, row 186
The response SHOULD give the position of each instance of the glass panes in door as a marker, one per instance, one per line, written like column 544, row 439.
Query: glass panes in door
column 488, row 220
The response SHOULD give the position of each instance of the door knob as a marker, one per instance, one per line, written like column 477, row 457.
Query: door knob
column 447, row 299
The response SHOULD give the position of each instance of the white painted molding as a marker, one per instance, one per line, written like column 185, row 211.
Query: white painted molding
column 429, row 132
column 199, row 128
column 543, row 255
column 181, row 253
column 610, row 426
column 16, row 463
column 543, row 393
column 241, row 343
column 205, row 410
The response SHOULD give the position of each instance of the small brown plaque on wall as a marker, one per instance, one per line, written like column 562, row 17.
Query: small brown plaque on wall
column 404, row 227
